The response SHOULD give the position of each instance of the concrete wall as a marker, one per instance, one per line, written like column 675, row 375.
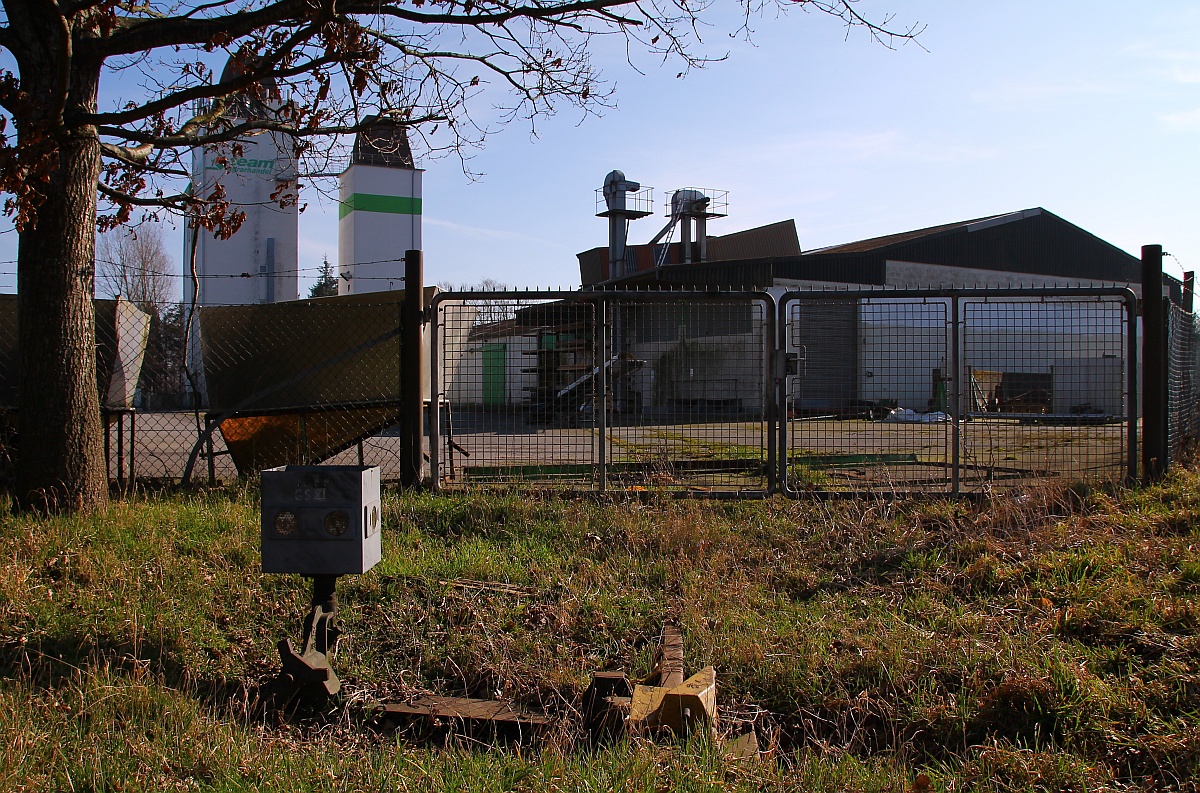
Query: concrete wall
column 915, row 275
column 713, row 369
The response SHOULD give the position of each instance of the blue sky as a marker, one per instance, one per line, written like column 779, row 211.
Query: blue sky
column 1089, row 109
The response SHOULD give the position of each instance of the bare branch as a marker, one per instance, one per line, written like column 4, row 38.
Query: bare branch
column 137, row 34
column 249, row 128
column 179, row 201
column 267, row 69
column 137, row 157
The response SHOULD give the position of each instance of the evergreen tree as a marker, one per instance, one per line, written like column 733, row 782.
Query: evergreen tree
column 327, row 281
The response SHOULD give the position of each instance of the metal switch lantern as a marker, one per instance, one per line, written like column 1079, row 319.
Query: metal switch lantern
column 320, row 519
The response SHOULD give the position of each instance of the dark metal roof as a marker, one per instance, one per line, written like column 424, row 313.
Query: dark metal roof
column 743, row 274
column 771, row 241
column 875, row 243
column 754, row 273
column 775, row 239
column 1031, row 241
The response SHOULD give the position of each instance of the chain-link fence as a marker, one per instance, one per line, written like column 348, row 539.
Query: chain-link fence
column 694, row 392
column 235, row 389
column 1183, row 382
column 867, row 392
column 1046, row 390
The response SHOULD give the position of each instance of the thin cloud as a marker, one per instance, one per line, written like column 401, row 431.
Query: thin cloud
column 1184, row 66
column 1180, row 66
column 478, row 232
column 1020, row 94
column 888, row 145
column 1186, row 121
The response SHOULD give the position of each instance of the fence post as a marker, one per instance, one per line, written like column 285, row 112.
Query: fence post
column 107, row 446
column 208, row 447
column 771, row 365
column 1131, row 388
column 410, row 370
column 956, row 401
column 121, row 450
column 600, row 398
column 1154, row 404
column 133, row 449
column 782, row 335
column 435, row 404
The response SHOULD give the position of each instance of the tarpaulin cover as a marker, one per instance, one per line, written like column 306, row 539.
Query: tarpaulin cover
column 305, row 379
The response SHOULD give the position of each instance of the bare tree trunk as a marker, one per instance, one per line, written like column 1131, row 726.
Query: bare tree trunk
column 60, row 450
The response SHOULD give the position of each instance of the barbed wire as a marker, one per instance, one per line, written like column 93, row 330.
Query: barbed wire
column 298, row 270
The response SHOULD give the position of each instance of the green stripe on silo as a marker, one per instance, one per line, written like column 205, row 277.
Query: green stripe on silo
column 369, row 202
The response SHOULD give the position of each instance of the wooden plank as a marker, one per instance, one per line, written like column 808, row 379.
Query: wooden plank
column 464, row 709
column 670, row 664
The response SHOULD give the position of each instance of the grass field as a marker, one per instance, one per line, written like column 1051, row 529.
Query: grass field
column 1043, row 640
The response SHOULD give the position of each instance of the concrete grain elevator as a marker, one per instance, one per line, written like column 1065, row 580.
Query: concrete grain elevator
column 258, row 264
column 379, row 214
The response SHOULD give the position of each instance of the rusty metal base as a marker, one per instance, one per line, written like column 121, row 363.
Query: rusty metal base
column 308, row 672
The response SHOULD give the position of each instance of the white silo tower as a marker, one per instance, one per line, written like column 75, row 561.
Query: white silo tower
column 257, row 264
column 379, row 214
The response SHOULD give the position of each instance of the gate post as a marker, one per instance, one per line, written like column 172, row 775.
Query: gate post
column 600, row 387
column 435, row 402
column 1131, row 388
column 782, row 395
column 410, row 370
column 1154, row 370
column 956, row 400
column 772, row 357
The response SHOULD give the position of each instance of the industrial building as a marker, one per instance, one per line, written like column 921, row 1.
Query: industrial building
column 251, row 328
column 1032, row 247
column 379, row 211
column 853, row 350
column 859, row 355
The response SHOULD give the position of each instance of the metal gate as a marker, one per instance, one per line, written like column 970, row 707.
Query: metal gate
column 604, row 391
column 956, row 390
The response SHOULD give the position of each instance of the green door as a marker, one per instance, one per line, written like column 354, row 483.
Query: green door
column 495, row 360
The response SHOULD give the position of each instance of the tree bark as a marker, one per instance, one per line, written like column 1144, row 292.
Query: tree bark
column 60, row 449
